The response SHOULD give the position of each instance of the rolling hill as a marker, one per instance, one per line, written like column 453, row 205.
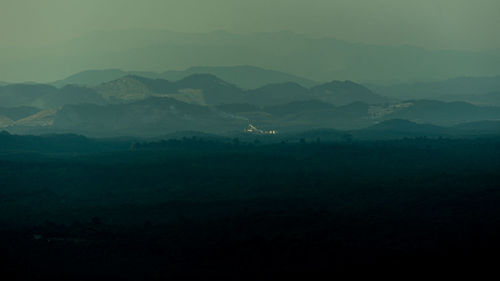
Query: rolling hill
column 244, row 76
column 444, row 113
column 96, row 77
column 197, row 88
column 35, row 95
column 277, row 94
column 148, row 117
column 46, row 96
column 341, row 93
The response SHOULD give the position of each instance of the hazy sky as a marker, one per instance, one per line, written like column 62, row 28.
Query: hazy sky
column 449, row 24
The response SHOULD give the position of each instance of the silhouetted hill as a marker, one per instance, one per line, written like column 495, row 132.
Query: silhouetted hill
column 492, row 99
column 46, row 96
column 405, row 126
column 202, row 89
column 299, row 106
column 444, row 113
column 487, row 126
column 245, row 76
column 238, row 107
column 340, row 93
column 134, row 105
column 198, row 88
column 16, row 113
column 159, row 86
column 277, row 94
column 72, row 94
column 36, row 95
column 149, row 117
column 215, row 90
column 124, row 89
column 96, row 77
column 390, row 129
column 304, row 115
column 398, row 128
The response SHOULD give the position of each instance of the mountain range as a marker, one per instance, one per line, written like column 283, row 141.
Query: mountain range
column 314, row 58
column 133, row 105
column 245, row 76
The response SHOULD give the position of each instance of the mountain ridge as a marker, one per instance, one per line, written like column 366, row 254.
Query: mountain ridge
column 314, row 58
column 245, row 76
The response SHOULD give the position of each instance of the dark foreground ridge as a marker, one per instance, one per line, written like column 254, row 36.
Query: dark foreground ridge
column 194, row 209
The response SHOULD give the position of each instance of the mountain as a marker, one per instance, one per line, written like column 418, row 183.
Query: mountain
column 401, row 125
column 399, row 128
column 72, row 94
column 238, row 107
column 11, row 115
column 487, row 126
column 96, row 77
column 157, row 116
column 443, row 113
column 202, row 89
column 341, row 93
column 46, row 96
column 124, row 89
column 277, row 94
column 492, row 98
column 197, row 88
column 296, row 107
column 335, row 92
column 134, row 105
column 35, row 95
column 309, row 114
column 458, row 89
column 244, row 76
column 311, row 57
column 214, row 89
column 148, row 117
column 17, row 113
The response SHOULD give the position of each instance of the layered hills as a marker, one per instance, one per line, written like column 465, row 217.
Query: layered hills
column 134, row 105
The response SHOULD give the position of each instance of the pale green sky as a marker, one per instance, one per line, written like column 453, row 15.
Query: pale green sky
column 446, row 24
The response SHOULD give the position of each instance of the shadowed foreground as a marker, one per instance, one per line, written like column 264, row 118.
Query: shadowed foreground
column 195, row 209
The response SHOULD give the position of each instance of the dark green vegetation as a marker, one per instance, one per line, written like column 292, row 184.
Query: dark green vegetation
column 260, row 140
column 196, row 208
